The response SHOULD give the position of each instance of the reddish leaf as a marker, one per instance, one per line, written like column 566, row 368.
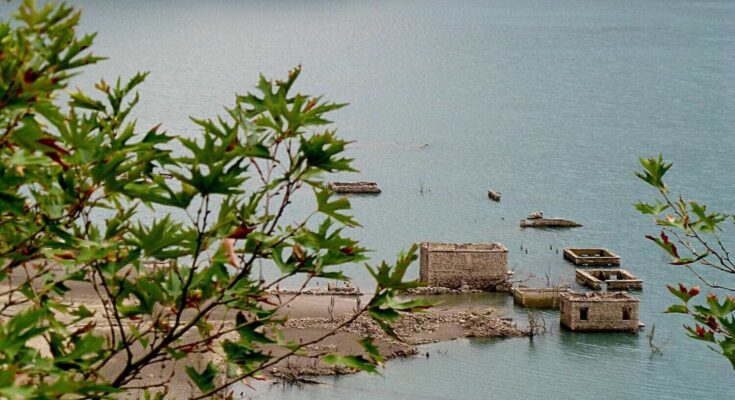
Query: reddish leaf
column 670, row 245
column 51, row 142
column 700, row 331
column 30, row 76
column 712, row 322
column 241, row 232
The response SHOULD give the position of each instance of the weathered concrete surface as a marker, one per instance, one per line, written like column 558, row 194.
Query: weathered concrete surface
column 598, row 312
column 539, row 297
column 475, row 265
column 354, row 187
column 614, row 279
column 596, row 256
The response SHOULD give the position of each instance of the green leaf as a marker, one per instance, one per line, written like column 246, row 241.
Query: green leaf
column 356, row 362
column 203, row 380
column 333, row 208
column 371, row 349
column 652, row 209
column 387, row 315
column 682, row 294
column 320, row 151
column 654, row 170
column 81, row 100
column 707, row 222
column 677, row 308
column 248, row 330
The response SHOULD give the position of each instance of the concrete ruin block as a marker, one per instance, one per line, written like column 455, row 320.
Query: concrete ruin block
column 354, row 187
column 481, row 266
column 614, row 279
column 599, row 312
column 596, row 256
column 548, row 223
column 538, row 297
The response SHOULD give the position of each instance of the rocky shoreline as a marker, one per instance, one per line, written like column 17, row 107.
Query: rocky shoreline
column 311, row 316
column 412, row 330
column 355, row 291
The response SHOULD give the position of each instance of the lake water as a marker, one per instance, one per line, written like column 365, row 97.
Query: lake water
column 549, row 102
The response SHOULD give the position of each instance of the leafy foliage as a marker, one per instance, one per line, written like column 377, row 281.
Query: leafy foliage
column 690, row 236
column 75, row 173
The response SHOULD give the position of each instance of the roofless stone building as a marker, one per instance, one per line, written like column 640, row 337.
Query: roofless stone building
column 614, row 279
column 478, row 265
column 589, row 312
column 596, row 256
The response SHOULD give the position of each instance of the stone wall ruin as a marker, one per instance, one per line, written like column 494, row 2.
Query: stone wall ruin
column 481, row 266
column 589, row 312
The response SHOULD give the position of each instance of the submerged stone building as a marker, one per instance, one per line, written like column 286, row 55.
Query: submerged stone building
column 549, row 297
column 477, row 265
column 595, row 256
column 614, row 279
column 589, row 312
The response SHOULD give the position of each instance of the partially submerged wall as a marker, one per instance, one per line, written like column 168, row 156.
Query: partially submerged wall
column 538, row 297
column 614, row 279
column 354, row 187
column 587, row 279
column 477, row 265
column 599, row 312
column 596, row 256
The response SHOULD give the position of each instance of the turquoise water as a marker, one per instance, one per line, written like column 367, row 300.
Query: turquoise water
column 549, row 102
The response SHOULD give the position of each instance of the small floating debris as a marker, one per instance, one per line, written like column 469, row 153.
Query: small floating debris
column 493, row 195
column 548, row 223
column 615, row 279
column 354, row 187
column 536, row 215
column 597, row 256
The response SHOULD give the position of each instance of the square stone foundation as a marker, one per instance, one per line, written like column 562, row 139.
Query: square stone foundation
column 613, row 279
column 596, row 256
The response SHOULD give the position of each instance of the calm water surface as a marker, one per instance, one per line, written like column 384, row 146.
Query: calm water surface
column 549, row 102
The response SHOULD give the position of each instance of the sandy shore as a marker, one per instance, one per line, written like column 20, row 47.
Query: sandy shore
column 309, row 317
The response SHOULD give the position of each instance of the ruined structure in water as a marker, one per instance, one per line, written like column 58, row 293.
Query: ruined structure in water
column 548, row 223
column 354, row 187
column 538, row 297
column 590, row 312
column 596, row 256
column 475, row 265
column 614, row 279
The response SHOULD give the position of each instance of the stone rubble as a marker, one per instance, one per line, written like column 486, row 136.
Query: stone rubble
column 412, row 329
